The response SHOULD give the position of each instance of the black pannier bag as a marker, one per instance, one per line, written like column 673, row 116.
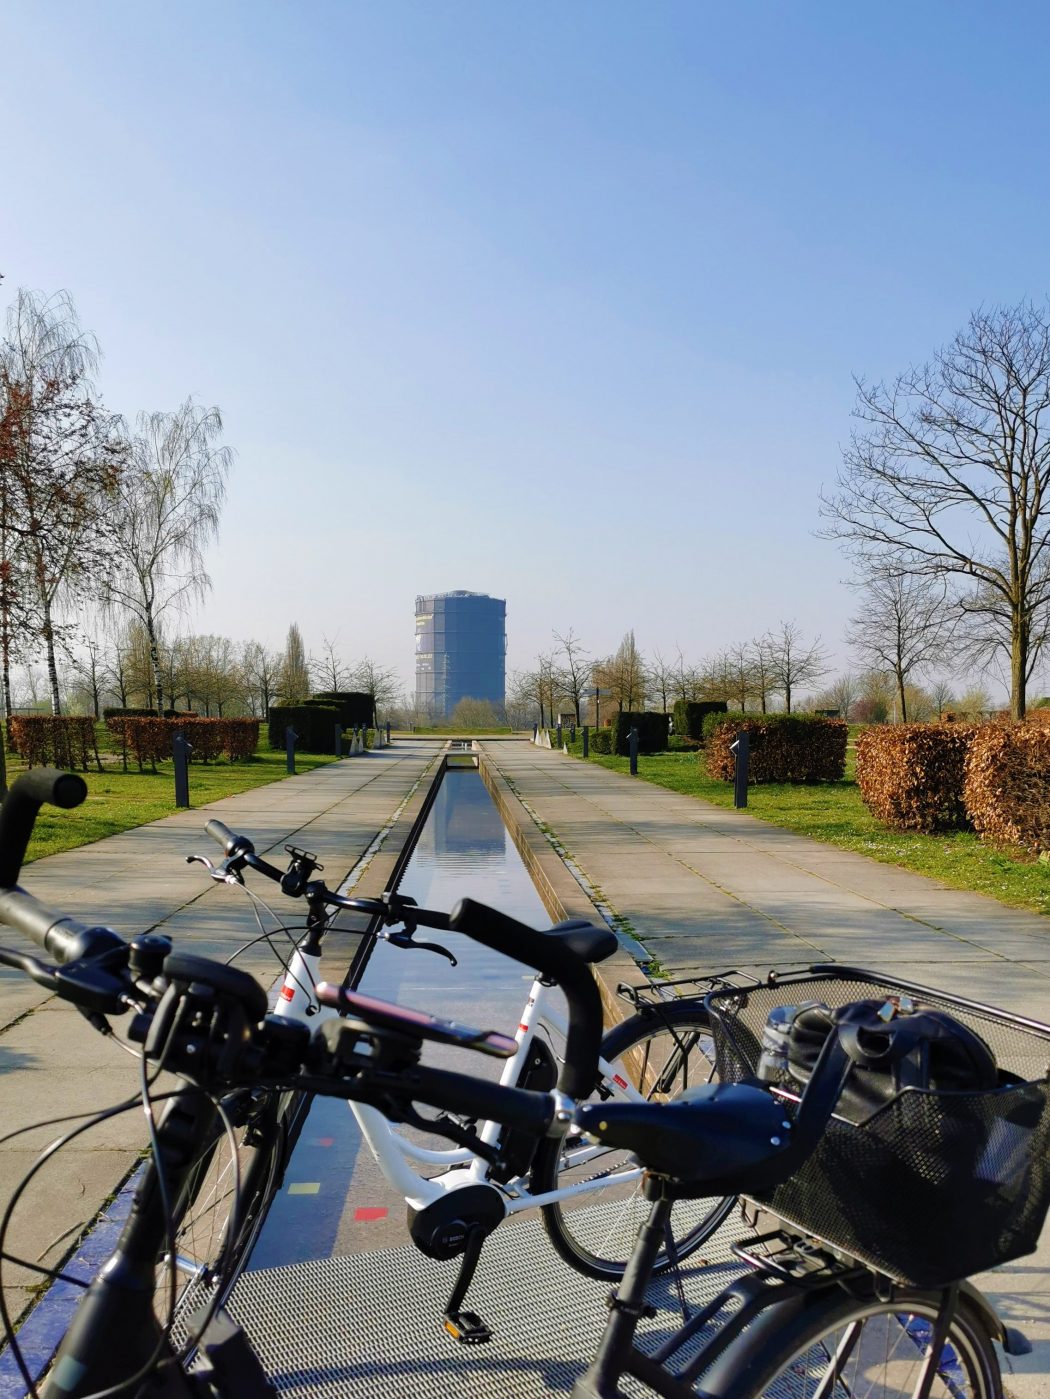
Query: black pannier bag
column 934, row 1165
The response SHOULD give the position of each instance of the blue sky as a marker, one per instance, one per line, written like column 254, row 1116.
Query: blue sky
column 559, row 302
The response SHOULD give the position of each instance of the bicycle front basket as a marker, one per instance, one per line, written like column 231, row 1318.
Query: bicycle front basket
column 936, row 1185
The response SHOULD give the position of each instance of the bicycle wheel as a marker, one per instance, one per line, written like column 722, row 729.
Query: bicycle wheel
column 839, row 1347
column 659, row 1052
column 222, row 1207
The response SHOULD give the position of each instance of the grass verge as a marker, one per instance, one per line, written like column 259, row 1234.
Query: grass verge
column 833, row 812
column 117, row 801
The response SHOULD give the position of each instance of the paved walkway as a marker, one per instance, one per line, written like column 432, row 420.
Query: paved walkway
column 52, row 1063
column 706, row 888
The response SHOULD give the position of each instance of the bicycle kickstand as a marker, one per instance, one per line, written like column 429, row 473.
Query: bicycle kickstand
column 467, row 1327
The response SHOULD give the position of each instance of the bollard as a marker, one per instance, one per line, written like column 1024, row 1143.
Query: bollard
column 290, row 740
column 586, row 744
column 632, row 740
column 572, row 733
column 338, row 740
column 559, row 733
column 535, row 731
column 181, row 751
column 742, row 749
column 388, row 733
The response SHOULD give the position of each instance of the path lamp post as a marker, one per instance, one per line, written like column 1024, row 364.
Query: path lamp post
column 632, row 745
column 586, row 744
column 338, row 740
column 290, row 740
column 742, row 749
column 181, row 751
column 388, row 733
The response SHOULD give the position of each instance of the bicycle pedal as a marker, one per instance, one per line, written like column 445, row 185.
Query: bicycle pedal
column 467, row 1328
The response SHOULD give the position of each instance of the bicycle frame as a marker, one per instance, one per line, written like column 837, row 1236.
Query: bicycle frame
column 393, row 1152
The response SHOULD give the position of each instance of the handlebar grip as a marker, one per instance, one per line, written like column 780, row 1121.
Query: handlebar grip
column 480, row 1098
column 553, row 958
column 64, row 938
column 231, row 842
column 18, row 813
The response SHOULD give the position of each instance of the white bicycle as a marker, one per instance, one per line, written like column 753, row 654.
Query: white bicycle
column 590, row 1195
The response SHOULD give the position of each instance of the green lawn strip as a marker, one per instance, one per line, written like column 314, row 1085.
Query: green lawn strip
column 834, row 813
column 117, row 800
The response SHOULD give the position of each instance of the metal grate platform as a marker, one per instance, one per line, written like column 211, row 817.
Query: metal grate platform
column 370, row 1324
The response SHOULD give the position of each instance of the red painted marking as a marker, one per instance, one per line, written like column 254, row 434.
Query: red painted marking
column 325, row 1141
column 288, row 993
column 523, row 1026
column 621, row 1081
column 367, row 1213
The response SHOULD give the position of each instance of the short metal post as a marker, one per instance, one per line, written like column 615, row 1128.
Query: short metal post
column 290, row 740
column 632, row 744
column 388, row 733
column 338, row 740
column 742, row 748
column 535, row 731
column 572, row 733
column 181, row 751
column 586, row 743
column 559, row 733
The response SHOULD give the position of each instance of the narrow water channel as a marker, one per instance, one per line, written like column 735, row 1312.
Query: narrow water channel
column 334, row 1199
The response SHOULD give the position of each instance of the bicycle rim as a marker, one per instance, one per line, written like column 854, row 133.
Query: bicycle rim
column 661, row 1053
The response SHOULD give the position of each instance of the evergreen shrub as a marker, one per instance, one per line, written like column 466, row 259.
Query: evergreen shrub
column 911, row 776
column 600, row 741
column 689, row 715
column 314, row 723
column 783, row 747
column 652, row 732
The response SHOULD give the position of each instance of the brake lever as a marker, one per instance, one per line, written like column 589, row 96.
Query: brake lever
column 223, row 873
column 407, row 941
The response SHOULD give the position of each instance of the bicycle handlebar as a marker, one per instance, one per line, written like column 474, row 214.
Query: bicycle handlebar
column 553, row 958
column 27, row 795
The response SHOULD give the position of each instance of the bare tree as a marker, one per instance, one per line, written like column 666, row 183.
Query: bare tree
column 330, row 668
column 60, row 458
column 295, row 672
column 739, row 659
column 942, row 695
column 950, row 478
column 761, row 672
column 168, row 511
column 378, row 681
column 623, row 675
column 845, row 693
column 521, row 698
column 660, row 681
column 903, row 625
column 574, row 670
column 792, row 661
column 260, row 669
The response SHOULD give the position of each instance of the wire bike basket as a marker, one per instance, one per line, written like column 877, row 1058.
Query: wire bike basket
column 934, row 1186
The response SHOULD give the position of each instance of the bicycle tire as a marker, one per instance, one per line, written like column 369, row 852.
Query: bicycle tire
column 209, row 1258
column 671, row 1050
column 844, row 1346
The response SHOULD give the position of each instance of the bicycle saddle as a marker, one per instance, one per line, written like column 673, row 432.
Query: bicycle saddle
column 718, row 1138
column 587, row 941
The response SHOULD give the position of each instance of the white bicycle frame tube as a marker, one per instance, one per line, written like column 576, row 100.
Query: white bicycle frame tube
column 392, row 1152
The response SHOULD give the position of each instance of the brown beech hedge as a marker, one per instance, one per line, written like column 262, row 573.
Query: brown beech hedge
column 64, row 741
column 1007, row 786
column 784, row 747
column 150, row 740
column 911, row 775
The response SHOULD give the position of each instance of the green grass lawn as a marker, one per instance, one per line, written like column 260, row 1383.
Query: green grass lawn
column 834, row 812
column 118, row 800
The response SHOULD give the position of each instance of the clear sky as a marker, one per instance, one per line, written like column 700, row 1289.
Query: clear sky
column 554, row 301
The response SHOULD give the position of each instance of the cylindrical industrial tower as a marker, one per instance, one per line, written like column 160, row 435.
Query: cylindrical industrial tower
column 461, row 649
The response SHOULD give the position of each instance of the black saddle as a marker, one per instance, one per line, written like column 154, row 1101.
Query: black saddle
column 716, row 1139
column 591, row 943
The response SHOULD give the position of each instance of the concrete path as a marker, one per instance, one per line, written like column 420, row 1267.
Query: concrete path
column 705, row 888
column 52, row 1063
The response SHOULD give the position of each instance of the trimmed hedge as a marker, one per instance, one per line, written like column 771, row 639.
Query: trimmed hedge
column 600, row 740
column 689, row 715
column 150, row 740
column 117, row 713
column 1007, row 784
column 784, row 747
column 355, row 706
column 314, row 723
column 911, row 776
column 652, row 733
column 62, row 741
